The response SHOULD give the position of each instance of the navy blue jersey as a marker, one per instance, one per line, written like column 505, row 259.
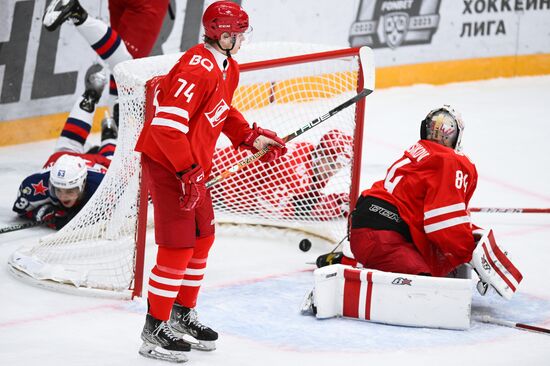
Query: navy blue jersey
column 34, row 192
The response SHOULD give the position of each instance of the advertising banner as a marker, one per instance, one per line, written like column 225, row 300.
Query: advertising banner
column 42, row 72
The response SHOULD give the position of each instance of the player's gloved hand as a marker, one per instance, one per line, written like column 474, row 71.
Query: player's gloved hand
column 61, row 218
column 259, row 138
column 193, row 187
column 44, row 213
column 52, row 216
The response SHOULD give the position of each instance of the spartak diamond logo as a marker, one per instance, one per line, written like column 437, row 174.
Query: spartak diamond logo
column 218, row 114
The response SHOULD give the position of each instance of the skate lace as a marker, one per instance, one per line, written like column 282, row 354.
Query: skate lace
column 164, row 327
column 192, row 318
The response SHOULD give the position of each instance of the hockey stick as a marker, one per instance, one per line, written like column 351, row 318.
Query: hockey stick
column 368, row 69
column 15, row 227
column 509, row 210
column 508, row 323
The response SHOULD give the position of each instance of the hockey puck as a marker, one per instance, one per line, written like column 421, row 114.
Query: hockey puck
column 305, row 245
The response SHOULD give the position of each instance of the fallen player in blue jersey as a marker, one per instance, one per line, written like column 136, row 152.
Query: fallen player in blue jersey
column 70, row 176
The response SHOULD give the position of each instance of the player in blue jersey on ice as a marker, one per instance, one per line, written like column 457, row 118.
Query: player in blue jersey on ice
column 71, row 174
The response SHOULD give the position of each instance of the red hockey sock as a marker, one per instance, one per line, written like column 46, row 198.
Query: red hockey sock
column 194, row 273
column 165, row 280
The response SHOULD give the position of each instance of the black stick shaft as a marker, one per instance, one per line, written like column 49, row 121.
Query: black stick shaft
column 26, row 225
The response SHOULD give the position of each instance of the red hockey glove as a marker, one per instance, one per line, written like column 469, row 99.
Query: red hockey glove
column 193, row 187
column 259, row 138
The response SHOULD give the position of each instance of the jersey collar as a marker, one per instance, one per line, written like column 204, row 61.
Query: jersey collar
column 218, row 56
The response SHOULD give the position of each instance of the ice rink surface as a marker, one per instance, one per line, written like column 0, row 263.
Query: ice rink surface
column 255, row 283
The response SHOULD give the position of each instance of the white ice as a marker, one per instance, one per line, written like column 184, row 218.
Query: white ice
column 254, row 285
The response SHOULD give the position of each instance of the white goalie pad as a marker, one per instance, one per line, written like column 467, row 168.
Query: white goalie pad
column 494, row 267
column 392, row 298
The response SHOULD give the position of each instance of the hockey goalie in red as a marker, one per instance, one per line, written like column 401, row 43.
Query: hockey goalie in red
column 415, row 222
column 192, row 106
column 293, row 188
column 422, row 200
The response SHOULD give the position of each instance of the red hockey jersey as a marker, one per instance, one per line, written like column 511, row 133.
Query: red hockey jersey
column 431, row 186
column 284, row 188
column 192, row 107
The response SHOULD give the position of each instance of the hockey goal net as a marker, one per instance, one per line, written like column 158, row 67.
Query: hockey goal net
column 101, row 249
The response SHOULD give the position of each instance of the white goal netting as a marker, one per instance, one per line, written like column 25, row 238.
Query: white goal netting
column 307, row 190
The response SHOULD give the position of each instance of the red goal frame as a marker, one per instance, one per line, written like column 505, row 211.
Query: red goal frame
column 141, row 224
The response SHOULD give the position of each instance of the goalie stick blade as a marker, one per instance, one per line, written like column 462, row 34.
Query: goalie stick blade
column 366, row 55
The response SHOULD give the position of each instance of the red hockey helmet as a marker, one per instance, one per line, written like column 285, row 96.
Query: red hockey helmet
column 224, row 16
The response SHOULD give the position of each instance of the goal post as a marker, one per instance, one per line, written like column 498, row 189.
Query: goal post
column 102, row 248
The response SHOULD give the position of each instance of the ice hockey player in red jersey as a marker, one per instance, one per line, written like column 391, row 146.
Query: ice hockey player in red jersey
column 294, row 186
column 71, row 175
column 192, row 108
column 415, row 221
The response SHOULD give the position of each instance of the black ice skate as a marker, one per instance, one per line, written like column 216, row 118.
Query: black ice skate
column 184, row 321
column 160, row 342
column 95, row 81
column 60, row 10
column 109, row 129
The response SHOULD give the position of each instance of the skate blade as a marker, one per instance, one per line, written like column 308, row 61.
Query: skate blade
column 205, row 346
column 159, row 353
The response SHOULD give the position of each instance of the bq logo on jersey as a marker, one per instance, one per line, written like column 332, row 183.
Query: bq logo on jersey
column 393, row 23
column 218, row 114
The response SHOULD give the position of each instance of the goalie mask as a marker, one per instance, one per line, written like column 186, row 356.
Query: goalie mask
column 444, row 126
column 222, row 17
column 69, row 172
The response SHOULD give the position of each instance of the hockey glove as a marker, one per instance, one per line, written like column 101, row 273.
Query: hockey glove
column 44, row 213
column 259, row 138
column 493, row 266
column 192, row 186
column 51, row 216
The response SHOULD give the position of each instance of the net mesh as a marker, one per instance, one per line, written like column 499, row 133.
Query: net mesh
column 307, row 189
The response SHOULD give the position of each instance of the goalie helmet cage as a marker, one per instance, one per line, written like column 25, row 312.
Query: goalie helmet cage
column 101, row 251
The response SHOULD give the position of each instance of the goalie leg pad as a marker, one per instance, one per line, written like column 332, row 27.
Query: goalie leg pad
column 494, row 267
column 392, row 298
